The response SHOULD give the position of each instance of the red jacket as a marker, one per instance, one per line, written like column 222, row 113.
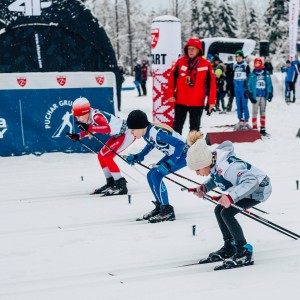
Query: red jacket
column 201, row 74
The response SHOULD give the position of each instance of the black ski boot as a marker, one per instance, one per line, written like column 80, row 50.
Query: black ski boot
column 109, row 184
column 166, row 214
column 242, row 257
column 228, row 250
column 263, row 131
column 119, row 188
column 152, row 213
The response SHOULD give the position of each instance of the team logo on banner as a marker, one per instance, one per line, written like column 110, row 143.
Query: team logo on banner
column 22, row 81
column 100, row 79
column 154, row 37
column 61, row 80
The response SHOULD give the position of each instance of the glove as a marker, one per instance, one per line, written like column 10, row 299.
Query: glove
column 73, row 136
column 253, row 100
column 82, row 126
column 207, row 109
column 247, row 94
column 225, row 201
column 200, row 191
column 270, row 97
column 130, row 159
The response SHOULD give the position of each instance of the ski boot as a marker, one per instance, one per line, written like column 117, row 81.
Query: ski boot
column 228, row 250
column 119, row 188
column 109, row 184
column 166, row 214
column 152, row 213
column 242, row 257
column 263, row 131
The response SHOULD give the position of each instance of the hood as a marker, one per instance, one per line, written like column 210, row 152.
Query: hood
column 195, row 42
column 224, row 150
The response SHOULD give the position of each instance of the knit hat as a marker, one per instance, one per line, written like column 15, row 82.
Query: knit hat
column 216, row 58
column 258, row 63
column 137, row 119
column 81, row 106
column 199, row 156
column 239, row 53
column 218, row 72
column 288, row 61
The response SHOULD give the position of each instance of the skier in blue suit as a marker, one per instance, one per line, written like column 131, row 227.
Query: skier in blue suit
column 169, row 142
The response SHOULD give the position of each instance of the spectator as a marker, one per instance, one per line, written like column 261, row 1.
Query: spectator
column 138, row 76
column 190, row 79
column 259, row 90
column 229, row 83
column 292, row 76
column 284, row 69
column 241, row 72
column 221, row 89
column 144, row 77
column 268, row 65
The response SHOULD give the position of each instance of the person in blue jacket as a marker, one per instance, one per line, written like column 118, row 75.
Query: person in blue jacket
column 285, row 69
column 259, row 91
column 241, row 71
column 292, row 76
column 169, row 142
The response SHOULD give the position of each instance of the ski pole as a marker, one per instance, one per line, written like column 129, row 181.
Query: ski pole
column 259, row 219
column 112, row 150
column 213, row 190
column 183, row 186
column 87, row 147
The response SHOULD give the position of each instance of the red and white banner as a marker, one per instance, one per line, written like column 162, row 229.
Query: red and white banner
column 166, row 48
column 293, row 27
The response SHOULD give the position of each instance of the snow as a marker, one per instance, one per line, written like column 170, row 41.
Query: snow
column 58, row 242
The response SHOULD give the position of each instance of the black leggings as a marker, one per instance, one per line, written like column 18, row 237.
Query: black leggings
column 230, row 227
column 180, row 116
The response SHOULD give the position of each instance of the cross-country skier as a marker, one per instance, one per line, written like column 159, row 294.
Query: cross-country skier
column 245, row 185
column 96, row 121
column 169, row 142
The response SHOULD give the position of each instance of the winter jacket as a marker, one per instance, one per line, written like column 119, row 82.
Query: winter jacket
column 269, row 67
column 200, row 72
column 237, row 177
column 138, row 73
column 144, row 72
column 292, row 72
column 221, row 84
column 241, row 71
column 260, row 84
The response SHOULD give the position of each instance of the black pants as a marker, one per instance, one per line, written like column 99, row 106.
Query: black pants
column 180, row 116
column 143, row 85
column 230, row 227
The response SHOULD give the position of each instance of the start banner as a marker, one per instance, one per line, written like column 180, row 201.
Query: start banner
column 36, row 109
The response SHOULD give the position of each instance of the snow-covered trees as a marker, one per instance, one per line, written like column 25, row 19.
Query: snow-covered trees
column 227, row 23
column 208, row 25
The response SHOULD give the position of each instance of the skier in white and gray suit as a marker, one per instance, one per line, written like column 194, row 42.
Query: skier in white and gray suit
column 245, row 185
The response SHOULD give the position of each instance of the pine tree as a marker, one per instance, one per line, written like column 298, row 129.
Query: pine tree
column 276, row 26
column 195, row 18
column 208, row 26
column 227, row 23
column 253, row 30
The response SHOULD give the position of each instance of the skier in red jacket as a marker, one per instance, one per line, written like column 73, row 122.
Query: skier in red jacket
column 190, row 80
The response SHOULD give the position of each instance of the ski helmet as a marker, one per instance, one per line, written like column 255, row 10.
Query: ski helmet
column 81, row 106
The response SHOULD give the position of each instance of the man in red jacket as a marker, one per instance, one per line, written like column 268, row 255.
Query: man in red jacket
column 191, row 79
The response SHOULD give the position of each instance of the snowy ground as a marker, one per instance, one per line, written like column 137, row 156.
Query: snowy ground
column 58, row 242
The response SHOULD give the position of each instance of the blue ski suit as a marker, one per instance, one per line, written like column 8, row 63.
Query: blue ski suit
column 173, row 146
column 241, row 71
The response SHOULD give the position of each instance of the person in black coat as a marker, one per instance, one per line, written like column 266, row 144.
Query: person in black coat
column 268, row 65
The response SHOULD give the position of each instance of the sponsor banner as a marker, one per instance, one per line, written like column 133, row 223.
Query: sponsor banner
column 166, row 48
column 293, row 27
column 36, row 109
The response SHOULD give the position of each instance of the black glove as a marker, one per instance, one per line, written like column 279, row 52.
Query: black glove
column 247, row 94
column 253, row 100
column 73, row 136
column 207, row 109
column 270, row 97
column 82, row 126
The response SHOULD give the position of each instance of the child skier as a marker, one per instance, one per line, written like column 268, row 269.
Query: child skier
column 171, row 143
column 96, row 121
column 259, row 91
column 241, row 72
column 246, row 186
